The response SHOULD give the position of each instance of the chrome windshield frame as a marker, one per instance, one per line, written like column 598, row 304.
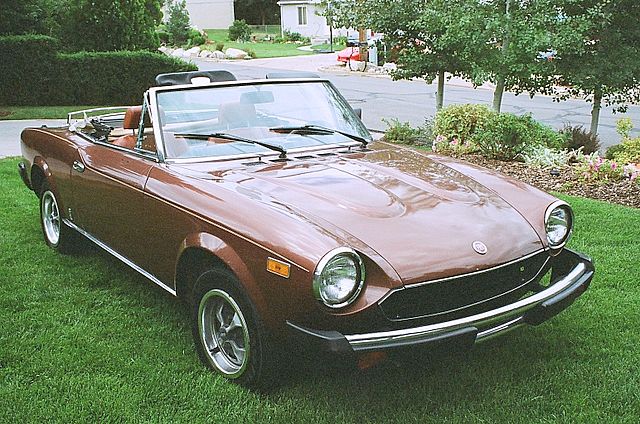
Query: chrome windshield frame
column 152, row 97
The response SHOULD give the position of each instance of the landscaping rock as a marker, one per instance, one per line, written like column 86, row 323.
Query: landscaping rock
column 388, row 67
column 204, row 53
column 217, row 54
column 178, row 53
column 193, row 52
column 232, row 53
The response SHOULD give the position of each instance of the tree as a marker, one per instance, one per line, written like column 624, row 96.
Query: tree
column 516, row 32
column 178, row 22
column 599, row 49
column 31, row 16
column 107, row 25
column 430, row 37
column 261, row 12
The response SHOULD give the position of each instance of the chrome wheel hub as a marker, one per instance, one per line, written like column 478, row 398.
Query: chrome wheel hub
column 51, row 217
column 223, row 332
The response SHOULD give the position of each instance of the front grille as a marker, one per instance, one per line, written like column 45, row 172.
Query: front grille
column 467, row 294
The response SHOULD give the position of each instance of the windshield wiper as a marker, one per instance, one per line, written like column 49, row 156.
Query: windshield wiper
column 227, row 136
column 319, row 129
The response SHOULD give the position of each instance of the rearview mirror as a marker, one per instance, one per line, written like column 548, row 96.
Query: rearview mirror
column 256, row 97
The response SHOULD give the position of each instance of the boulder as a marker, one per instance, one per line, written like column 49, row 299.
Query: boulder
column 204, row 53
column 193, row 51
column 232, row 53
column 217, row 54
column 388, row 67
column 178, row 53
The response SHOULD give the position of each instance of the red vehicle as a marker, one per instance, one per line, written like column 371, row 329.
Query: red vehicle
column 348, row 54
column 268, row 208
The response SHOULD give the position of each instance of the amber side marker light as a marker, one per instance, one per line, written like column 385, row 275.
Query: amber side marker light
column 278, row 267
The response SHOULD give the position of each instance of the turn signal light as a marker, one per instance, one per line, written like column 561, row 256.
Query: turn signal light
column 278, row 267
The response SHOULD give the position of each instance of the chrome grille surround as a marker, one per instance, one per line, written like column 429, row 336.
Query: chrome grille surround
column 457, row 296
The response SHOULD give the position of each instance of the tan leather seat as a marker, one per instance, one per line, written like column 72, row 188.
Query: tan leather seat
column 131, row 122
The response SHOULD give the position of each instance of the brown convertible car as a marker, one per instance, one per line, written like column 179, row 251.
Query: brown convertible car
column 266, row 205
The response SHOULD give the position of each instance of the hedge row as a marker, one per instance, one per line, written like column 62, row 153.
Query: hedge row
column 33, row 73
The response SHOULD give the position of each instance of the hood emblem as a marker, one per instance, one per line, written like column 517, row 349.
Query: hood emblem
column 479, row 247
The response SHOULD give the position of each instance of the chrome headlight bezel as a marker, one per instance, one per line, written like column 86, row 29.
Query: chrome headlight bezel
column 559, row 204
column 325, row 263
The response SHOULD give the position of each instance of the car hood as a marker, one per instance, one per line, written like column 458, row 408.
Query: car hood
column 421, row 216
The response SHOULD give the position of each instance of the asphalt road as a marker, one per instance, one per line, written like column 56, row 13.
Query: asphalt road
column 414, row 101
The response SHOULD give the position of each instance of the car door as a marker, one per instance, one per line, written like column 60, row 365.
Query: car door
column 109, row 197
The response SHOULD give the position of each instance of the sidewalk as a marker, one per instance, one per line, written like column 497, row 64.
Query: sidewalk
column 10, row 133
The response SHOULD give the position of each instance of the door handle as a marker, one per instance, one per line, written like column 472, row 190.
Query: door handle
column 78, row 166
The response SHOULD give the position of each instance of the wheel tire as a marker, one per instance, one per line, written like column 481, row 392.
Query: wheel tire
column 56, row 233
column 229, row 336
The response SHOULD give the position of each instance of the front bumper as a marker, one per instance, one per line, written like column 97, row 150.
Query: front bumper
column 572, row 274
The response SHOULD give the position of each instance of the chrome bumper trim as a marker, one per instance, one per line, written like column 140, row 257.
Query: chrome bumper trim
column 503, row 319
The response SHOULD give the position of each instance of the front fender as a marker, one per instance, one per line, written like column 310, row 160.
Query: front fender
column 227, row 255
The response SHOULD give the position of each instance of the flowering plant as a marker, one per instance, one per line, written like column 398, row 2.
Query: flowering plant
column 453, row 146
column 595, row 168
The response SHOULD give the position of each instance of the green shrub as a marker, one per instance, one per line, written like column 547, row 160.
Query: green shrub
column 461, row 122
column 251, row 53
column 32, row 74
column 539, row 134
column 295, row 37
column 28, row 69
column 613, row 150
column 111, row 78
column 503, row 137
column 404, row 133
column 239, row 31
column 629, row 151
column 219, row 46
column 163, row 34
column 577, row 137
column 624, row 127
column 106, row 25
column 196, row 38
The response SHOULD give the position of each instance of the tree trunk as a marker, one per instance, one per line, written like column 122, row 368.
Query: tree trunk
column 595, row 111
column 440, row 92
column 497, row 94
column 499, row 91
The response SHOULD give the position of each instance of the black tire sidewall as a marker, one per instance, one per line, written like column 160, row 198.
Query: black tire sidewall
column 46, row 188
column 256, row 373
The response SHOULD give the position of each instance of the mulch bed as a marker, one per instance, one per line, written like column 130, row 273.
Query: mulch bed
column 568, row 181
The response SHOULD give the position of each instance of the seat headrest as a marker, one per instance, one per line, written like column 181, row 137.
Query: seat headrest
column 132, row 118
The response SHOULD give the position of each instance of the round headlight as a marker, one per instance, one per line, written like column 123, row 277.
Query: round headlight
column 558, row 221
column 338, row 278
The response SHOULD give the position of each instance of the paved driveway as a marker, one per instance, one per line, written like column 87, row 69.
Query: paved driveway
column 10, row 134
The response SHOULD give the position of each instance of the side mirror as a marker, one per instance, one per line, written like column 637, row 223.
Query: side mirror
column 358, row 112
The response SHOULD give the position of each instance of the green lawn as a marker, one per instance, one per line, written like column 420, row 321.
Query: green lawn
column 39, row 112
column 85, row 339
column 262, row 49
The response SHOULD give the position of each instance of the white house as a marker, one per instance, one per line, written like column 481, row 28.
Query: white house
column 211, row 14
column 303, row 16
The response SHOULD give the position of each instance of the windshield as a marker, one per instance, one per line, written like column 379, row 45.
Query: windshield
column 252, row 112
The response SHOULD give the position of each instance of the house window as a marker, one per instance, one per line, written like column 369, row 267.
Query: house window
column 302, row 15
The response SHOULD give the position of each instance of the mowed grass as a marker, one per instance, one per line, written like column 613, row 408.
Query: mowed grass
column 262, row 49
column 85, row 339
column 39, row 112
